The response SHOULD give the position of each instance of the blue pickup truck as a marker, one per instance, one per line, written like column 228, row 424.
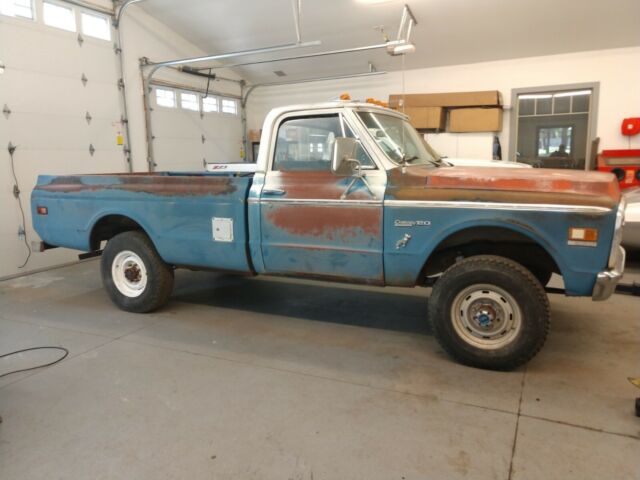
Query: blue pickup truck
column 350, row 192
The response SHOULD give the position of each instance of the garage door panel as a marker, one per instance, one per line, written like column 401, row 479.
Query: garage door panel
column 52, row 55
column 178, row 154
column 99, row 60
column 48, row 131
column 33, row 162
column 176, row 124
column 34, row 93
column 101, row 99
column 14, row 250
column 102, row 133
column 222, row 152
column 224, row 125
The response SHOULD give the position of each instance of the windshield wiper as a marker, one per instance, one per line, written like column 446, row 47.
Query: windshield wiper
column 407, row 160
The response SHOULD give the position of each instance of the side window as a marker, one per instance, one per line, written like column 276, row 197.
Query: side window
column 306, row 144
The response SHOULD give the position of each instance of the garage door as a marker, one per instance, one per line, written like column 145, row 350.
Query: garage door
column 61, row 109
column 190, row 129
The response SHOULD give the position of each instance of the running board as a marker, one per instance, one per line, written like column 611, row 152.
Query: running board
column 92, row 254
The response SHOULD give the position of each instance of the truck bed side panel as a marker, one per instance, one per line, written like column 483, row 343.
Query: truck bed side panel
column 176, row 211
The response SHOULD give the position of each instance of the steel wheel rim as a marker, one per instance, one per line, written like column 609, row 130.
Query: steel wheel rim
column 486, row 316
column 129, row 274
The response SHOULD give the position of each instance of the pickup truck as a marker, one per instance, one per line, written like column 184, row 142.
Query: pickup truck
column 349, row 192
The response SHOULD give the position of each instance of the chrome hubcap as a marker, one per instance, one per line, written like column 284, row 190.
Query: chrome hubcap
column 129, row 274
column 486, row 316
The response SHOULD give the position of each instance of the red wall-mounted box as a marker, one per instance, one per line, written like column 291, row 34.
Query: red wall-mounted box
column 624, row 164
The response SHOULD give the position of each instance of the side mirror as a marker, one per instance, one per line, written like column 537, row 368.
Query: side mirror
column 342, row 162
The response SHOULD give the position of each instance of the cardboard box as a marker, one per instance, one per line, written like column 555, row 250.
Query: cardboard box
column 426, row 118
column 490, row 98
column 254, row 135
column 462, row 120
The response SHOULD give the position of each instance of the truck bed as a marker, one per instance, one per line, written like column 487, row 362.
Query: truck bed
column 175, row 209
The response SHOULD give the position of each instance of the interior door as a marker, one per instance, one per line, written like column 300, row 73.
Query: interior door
column 313, row 222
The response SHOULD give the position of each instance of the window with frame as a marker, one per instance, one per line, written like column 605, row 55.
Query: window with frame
column 189, row 101
column 59, row 16
column 17, row 8
column 555, row 141
column 209, row 104
column 229, row 105
column 553, row 127
column 306, row 143
column 97, row 26
column 165, row 98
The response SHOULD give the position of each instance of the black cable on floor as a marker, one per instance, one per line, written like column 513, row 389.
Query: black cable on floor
column 62, row 349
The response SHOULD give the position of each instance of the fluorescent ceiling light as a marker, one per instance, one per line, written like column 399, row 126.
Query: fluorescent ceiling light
column 573, row 94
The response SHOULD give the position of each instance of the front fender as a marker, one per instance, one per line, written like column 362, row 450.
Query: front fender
column 579, row 265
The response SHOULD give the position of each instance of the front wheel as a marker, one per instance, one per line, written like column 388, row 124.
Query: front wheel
column 489, row 312
column 133, row 274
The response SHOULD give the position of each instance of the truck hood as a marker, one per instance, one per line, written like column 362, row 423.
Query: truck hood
column 504, row 185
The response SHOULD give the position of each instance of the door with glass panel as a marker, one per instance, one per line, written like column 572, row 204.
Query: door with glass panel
column 554, row 128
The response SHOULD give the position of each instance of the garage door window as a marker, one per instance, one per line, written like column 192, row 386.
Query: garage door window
column 165, row 98
column 96, row 26
column 209, row 104
column 229, row 106
column 17, row 8
column 189, row 101
column 58, row 16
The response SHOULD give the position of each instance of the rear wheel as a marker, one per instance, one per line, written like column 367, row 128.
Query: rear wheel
column 135, row 277
column 489, row 312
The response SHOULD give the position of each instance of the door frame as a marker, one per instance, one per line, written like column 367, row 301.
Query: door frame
column 592, row 127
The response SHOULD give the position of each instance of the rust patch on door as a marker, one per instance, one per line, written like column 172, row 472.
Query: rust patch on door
column 333, row 223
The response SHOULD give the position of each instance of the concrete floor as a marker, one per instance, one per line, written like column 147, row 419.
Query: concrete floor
column 261, row 378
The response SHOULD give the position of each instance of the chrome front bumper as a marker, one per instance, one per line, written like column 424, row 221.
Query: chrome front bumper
column 607, row 280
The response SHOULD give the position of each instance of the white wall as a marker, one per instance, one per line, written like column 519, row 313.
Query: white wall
column 41, row 84
column 618, row 72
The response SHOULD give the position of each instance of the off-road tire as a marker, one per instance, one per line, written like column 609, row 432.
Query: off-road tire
column 511, row 277
column 542, row 275
column 159, row 275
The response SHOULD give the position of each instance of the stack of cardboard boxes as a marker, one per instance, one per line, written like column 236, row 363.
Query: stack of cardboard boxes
column 467, row 111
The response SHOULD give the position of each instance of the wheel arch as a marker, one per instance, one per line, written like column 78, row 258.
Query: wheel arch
column 488, row 237
column 107, row 225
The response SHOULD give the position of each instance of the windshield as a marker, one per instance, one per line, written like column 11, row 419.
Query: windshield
column 398, row 139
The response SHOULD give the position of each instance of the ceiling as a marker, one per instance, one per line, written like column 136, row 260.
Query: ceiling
column 449, row 32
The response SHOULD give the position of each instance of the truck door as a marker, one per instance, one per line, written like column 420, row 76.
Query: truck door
column 313, row 223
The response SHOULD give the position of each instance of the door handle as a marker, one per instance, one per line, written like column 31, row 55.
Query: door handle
column 274, row 191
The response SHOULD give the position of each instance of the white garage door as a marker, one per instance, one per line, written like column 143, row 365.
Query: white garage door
column 62, row 110
column 189, row 129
